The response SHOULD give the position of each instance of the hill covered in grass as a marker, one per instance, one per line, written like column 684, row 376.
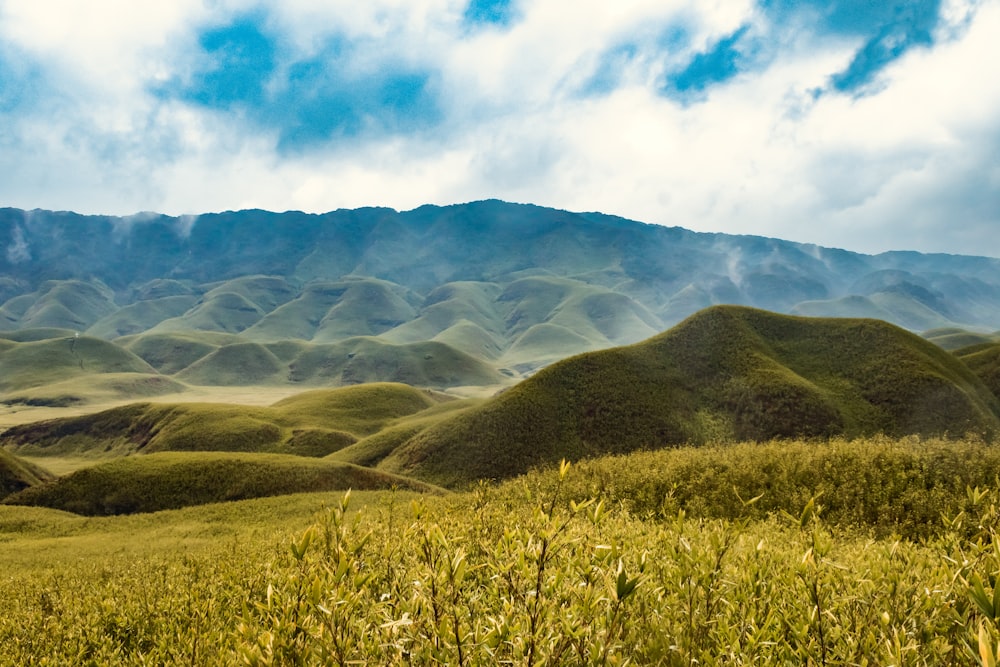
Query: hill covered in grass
column 984, row 360
column 476, row 294
column 725, row 374
column 174, row 480
column 17, row 475
column 314, row 423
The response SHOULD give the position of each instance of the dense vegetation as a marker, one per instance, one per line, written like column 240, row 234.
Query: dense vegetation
column 525, row 573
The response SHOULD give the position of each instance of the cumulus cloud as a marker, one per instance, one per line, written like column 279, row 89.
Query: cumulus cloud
column 862, row 125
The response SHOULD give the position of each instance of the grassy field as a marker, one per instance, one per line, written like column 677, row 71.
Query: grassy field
column 570, row 565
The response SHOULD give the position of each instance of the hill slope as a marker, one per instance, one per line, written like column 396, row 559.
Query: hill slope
column 17, row 475
column 174, row 480
column 726, row 373
column 314, row 423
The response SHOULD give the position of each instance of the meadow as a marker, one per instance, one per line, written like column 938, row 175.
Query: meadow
column 874, row 551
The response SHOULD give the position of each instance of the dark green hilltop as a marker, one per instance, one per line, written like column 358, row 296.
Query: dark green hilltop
column 727, row 373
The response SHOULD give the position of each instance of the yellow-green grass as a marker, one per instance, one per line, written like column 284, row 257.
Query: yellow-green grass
column 725, row 374
column 369, row 451
column 520, row 573
column 172, row 480
column 175, row 351
column 223, row 312
column 471, row 339
column 314, row 423
column 265, row 292
column 300, row 317
column 33, row 335
column 362, row 409
column 984, row 360
column 32, row 364
column 140, row 316
column 97, row 388
column 888, row 486
column 952, row 338
column 453, row 303
column 362, row 360
column 68, row 304
column 236, row 364
column 367, row 307
column 16, row 474
column 47, row 542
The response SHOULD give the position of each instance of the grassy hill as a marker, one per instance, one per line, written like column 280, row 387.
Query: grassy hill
column 725, row 374
column 314, row 423
column 984, row 360
column 17, row 475
column 40, row 362
column 173, row 480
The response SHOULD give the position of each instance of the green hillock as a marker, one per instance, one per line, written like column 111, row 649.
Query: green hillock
column 140, row 316
column 361, row 409
column 174, row 480
column 236, row 364
column 17, row 475
column 372, row 449
column 173, row 352
column 725, row 374
column 984, row 360
column 67, row 304
column 315, row 423
column 36, row 363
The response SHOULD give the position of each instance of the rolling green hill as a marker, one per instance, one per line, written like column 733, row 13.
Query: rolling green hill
column 40, row 362
column 984, row 360
column 314, row 423
column 17, row 475
column 727, row 373
column 173, row 480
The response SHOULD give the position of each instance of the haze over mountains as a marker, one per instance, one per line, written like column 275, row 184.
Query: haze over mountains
column 474, row 294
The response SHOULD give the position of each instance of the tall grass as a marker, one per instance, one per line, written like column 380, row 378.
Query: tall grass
column 554, row 569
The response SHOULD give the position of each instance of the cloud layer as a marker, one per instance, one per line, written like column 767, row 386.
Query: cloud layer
column 869, row 126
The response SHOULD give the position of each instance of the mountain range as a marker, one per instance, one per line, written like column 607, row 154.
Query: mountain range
column 478, row 294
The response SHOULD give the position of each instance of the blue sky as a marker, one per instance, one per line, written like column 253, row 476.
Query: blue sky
column 853, row 123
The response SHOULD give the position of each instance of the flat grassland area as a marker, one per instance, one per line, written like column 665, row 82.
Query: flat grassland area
column 870, row 552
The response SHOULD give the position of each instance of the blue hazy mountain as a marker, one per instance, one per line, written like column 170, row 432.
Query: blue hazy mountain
column 517, row 286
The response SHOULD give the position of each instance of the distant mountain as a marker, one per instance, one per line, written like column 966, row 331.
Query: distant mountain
column 727, row 373
column 510, row 287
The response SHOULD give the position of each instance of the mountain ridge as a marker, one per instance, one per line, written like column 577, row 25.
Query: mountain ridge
column 514, row 286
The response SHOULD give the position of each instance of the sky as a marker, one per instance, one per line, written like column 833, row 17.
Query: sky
column 869, row 125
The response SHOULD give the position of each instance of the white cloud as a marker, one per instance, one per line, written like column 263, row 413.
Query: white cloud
column 760, row 154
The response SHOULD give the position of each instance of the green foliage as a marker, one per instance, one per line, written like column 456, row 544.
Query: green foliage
column 172, row 480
